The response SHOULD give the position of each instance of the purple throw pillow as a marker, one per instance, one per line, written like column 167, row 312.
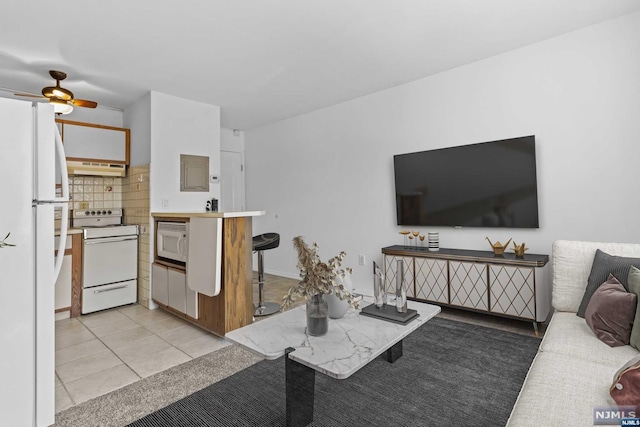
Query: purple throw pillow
column 610, row 313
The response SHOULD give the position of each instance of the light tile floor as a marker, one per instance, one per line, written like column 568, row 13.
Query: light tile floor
column 101, row 352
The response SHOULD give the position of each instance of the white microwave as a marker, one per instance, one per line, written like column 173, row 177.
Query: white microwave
column 172, row 240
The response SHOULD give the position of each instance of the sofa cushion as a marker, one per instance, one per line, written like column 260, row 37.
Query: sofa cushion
column 634, row 287
column 625, row 390
column 603, row 265
column 570, row 335
column 610, row 313
column 562, row 390
column 572, row 261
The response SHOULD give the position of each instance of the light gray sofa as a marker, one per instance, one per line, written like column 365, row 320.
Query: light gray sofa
column 573, row 370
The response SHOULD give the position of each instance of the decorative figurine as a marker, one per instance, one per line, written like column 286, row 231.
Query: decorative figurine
column 519, row 249
column 498, row 248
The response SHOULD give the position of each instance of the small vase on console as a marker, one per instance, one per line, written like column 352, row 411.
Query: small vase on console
column 317, row 315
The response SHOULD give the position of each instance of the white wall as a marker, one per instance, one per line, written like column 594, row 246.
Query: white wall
column 98, row 115
column 137, row 117
column 328, row 175
column 231, row 142
column 180, row 126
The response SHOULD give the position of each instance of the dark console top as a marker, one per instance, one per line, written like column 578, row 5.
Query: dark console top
column 533, row 260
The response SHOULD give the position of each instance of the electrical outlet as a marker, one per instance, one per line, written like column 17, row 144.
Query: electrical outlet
column 362, row 260
column 165, row 203
column 84, row 205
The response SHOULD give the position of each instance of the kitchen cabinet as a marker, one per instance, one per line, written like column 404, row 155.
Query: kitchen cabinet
column 63, row 284
column 68, row 286
column 95, row 143
column 226, row 304
column 169, row 288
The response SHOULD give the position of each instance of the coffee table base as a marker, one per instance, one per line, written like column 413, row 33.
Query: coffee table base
column 301, row 383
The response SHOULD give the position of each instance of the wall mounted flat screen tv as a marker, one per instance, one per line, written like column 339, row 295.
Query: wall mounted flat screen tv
column 490, row 184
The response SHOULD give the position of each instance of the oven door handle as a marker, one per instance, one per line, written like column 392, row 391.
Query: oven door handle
column 99, row 291
column 102, row 240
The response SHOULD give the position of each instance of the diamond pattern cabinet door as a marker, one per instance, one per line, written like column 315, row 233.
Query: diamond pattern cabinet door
column 468, row 285
column 431, row 280
column 513, row 291
column 390, row 274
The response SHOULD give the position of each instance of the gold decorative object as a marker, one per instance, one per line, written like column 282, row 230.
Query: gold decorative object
column 405, row 233
column 421, row 238
column 498, row 248
column 519, row 249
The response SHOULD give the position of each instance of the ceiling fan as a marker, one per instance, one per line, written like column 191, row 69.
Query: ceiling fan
column 61, row 98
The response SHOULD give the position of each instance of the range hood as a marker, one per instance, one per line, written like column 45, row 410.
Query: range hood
column 96, row 168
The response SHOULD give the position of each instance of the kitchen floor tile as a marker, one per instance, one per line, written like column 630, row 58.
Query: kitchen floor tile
column 101, row 318
column 109, row 327
column 69, row 325
column 151, row 316
column 160, row 361
column 165, row 324
column 182, row 334
column 123, row 338
column 63, row 400
column 203, row 345
column 78, row 351
column 58, row 382
column 69, row 339
column 145, row 347
column 86, row 366
column 100, row 383
column 134, row 310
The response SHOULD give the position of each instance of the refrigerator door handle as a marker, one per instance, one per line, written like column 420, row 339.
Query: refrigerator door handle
column 64, row 203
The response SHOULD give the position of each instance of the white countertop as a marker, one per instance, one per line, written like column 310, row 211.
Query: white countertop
column 69, row 231
column 351, row 342
column 235, row 214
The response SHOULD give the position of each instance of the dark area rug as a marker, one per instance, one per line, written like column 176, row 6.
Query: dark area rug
column 451, row 374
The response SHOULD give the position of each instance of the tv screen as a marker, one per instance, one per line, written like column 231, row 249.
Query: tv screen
column 490, row 184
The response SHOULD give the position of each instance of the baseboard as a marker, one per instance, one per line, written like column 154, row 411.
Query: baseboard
column 281, row 274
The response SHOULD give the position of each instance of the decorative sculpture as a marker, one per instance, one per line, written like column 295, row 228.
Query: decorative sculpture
column 498, row 248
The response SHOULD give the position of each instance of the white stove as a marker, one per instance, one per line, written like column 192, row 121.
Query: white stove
column 110, row 259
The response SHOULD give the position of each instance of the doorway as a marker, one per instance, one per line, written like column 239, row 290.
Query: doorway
column 231, row 181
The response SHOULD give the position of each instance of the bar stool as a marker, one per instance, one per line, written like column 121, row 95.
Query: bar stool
column 262, row 243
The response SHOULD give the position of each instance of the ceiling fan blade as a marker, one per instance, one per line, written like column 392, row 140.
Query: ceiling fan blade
column 84, row 103
column 28, row 95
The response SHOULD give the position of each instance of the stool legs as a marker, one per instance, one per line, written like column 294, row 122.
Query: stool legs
column 263, row 308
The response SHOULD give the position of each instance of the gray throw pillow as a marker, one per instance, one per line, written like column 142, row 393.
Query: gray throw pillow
column 610, row 313
column 603, row 265
column 634, row 287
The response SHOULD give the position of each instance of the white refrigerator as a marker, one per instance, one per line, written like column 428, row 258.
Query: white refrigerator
column 30, row 146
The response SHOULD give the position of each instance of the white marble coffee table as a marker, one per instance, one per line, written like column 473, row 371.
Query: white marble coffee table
column 351, row 343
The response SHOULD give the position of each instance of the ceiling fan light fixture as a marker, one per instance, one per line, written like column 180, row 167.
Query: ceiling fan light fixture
column 61, row 106
column 57, row 92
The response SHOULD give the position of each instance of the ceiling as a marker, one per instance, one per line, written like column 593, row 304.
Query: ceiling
column 266, row 60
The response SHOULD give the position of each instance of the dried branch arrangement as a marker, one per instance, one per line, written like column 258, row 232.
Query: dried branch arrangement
column 317, row 277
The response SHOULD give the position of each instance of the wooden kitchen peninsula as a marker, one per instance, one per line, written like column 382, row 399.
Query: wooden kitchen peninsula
column 213, row 287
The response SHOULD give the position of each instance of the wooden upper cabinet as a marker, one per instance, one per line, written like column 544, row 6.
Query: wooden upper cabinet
column 96, row 143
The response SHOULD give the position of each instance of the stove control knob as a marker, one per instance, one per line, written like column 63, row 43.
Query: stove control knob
column 98, row 212
column 109, row 212
column 104, row 212
column 93, row 212
column 87, row 213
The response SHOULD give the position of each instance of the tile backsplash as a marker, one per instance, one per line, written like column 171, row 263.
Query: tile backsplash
column 95, row 192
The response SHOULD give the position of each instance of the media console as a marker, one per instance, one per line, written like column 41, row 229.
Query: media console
column 502, row 285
